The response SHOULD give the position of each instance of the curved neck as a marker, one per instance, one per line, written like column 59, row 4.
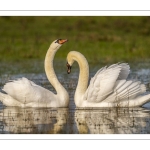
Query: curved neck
column 61, row 91
column 83, row 76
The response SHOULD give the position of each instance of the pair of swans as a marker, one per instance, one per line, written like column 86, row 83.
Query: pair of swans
column 108, row 88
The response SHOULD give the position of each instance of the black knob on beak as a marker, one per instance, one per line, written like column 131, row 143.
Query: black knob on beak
column 68, row 68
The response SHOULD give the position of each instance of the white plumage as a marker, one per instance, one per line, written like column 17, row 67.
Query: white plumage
column 25, row 93
column 110, row 84
column 109, row 87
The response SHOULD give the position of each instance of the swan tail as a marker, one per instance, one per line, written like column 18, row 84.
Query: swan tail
column 3, row 98
column 9, row 101
column 139, row 101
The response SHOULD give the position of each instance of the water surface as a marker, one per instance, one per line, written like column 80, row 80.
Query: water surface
column 74, row 120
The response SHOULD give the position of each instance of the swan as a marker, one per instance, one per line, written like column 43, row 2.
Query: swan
column 108, row 88
column 25, row 93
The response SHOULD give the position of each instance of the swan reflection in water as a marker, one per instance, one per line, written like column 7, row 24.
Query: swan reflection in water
column 30, row 120
column 113, row 121
column 78, row 121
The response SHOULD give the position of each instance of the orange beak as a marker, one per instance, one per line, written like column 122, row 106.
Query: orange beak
column 62, row 41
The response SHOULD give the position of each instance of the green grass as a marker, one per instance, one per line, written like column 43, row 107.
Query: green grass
column 100, row 39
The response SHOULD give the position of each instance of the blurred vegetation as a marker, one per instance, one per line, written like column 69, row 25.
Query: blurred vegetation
column 101, row 39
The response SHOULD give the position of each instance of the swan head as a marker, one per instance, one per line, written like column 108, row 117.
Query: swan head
column 58, row 43
column 70, row 61
column 78, row 57
column 71, row 57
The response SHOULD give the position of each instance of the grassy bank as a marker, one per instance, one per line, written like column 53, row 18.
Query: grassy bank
column 100, row 39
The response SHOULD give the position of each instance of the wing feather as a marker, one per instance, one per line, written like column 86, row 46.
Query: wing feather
column 129, row 90
column 102, row 84
column 125, row 69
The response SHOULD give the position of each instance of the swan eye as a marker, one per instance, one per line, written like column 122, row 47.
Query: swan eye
column 58, row 41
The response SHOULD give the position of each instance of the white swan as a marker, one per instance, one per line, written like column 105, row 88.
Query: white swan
column 108, row 88
column 25, row 93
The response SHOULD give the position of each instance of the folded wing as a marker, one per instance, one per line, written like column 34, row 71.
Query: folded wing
column 25, row 91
